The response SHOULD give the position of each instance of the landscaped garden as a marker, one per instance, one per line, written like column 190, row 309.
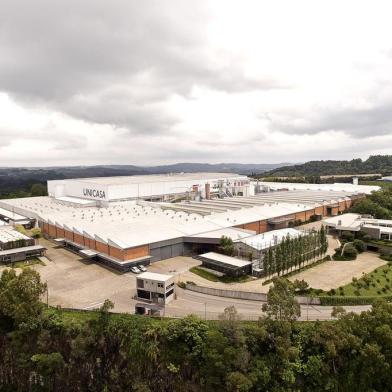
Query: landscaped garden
column 364, row 290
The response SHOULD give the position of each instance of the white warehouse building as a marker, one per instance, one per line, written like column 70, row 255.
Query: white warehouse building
column 150, row 187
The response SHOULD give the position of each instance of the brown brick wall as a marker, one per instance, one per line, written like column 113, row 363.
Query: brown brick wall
column 52, row 230
column 335, row 211
column 129, row 254
column 319, row 210
column 134, row 253
column 308, row 214
column 89, row 243
column 263, row 226
column 255, row 226
column 100, row 247
column 45, row 228
column 301, row 216
column 68, row 235
column 116, row 253
column 78, row 239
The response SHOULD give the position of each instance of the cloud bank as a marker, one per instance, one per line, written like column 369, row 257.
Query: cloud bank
column 154, row 82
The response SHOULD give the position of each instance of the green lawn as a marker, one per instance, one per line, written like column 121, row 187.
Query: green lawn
column 381, row 242
column 382, row 184
column 224, row 279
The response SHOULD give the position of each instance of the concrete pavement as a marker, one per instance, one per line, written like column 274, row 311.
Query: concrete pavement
column 210, row 307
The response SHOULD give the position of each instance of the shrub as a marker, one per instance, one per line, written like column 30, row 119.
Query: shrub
column 347, row 236
column 333, row 291
column 366, row 238
column 350, row 252
column 359, row 245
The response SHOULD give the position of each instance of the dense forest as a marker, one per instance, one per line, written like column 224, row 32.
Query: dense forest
column 380, row 164
column 378, row 204
column 44, row 349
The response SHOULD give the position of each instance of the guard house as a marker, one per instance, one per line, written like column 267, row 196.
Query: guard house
column 158, row 288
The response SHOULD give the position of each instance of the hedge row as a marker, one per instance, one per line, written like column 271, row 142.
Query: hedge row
column 346, row 301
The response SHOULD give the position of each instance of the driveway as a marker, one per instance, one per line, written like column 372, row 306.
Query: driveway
column 73, row 282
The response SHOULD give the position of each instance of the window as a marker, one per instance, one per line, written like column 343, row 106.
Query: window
column 160, row 285
column 143, row 294
column 170, row 292
column 140, row 283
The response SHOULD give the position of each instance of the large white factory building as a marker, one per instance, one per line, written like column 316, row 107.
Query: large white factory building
column 152, row 187
column 127, row 221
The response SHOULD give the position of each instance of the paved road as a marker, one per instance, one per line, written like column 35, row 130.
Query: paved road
column 210, row 307
column 73, row 283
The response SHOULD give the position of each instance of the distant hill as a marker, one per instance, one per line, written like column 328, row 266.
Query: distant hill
column 241, row 168
column 13, row 181
column 374, row 164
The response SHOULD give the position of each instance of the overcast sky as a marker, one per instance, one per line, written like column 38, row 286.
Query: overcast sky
column 150, row 82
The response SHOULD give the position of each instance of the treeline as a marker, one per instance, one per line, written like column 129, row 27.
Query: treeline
column 17, row 182
column 319, row 179
column 33, row 190
column 381, row 164
column 50, row 350
column 293, row 252
column 378, row 204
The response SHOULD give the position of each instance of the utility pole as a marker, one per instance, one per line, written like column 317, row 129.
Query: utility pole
column 205, row 311
column 307, row 309
column 47, row 295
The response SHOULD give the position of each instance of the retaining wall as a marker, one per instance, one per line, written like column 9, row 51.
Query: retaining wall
column 247, row 295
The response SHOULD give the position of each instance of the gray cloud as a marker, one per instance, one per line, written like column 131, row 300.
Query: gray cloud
column 112, row 63
column 354, row 122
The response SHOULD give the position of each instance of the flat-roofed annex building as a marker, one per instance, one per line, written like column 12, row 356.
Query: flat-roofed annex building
column 375, row 228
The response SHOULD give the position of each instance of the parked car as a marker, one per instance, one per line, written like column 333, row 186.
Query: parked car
column 135, row 270
column 142, row 268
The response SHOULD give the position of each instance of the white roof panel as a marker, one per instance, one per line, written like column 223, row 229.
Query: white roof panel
column 225, row 259
column 154, row 276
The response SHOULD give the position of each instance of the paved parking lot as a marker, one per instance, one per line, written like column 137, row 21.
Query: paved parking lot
column 174, row 266
column 76, row 283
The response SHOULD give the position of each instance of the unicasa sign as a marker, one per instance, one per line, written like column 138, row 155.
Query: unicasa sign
column 94, row 193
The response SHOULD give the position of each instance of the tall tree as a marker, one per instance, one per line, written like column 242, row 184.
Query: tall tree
column 281, row 303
